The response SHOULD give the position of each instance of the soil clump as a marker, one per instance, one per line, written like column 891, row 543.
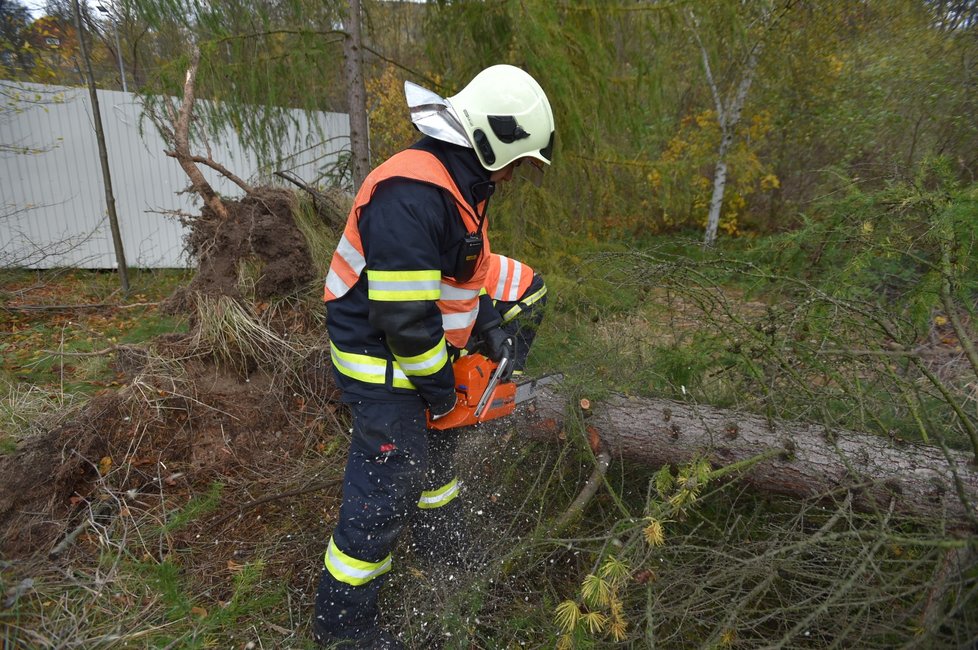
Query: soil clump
column 260, row 227
column 185, row 418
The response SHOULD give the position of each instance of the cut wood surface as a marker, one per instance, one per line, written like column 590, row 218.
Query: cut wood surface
column 921, row 481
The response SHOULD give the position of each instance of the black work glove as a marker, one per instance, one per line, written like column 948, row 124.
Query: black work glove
column 499, row 345
column 444, row 407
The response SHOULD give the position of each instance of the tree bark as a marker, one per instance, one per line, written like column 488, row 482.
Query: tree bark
column 181, row 139
column 811, row 460
column 356, row 96
column 103, row 155
column 728, row 115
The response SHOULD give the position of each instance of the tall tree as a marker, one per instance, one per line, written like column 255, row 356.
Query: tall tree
column 356, row 94
column 103, row 154
column 729, row 106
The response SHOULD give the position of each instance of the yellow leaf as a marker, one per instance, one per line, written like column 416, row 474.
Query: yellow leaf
column 567, row 615
column 596, row 591
column 654, row 533
column 940, row 321
column 595, row 621
column 619, row 630
column 104, row 465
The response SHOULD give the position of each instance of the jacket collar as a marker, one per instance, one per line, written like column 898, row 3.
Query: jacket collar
column 471, row 178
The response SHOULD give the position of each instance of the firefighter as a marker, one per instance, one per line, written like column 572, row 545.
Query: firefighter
column 412, row 285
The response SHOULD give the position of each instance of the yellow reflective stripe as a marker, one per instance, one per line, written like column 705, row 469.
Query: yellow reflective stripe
column 526, row 302
column 440, row 497
column 426, row 363
column 403, row 285
column 371, row 370
column 350, row 570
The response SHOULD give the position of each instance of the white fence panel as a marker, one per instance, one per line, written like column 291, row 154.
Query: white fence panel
column 52, row 199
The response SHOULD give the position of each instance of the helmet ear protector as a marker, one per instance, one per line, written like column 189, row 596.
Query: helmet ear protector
column 483, row 146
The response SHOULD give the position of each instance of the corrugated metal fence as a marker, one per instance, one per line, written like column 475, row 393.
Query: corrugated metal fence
column 52, row 199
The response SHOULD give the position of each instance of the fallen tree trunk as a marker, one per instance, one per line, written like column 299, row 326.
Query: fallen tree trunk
column 811, row 460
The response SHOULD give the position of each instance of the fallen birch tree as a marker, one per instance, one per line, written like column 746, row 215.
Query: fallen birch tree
column 795, row 459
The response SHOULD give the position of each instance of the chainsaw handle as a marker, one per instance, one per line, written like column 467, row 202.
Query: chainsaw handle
column 496, row 376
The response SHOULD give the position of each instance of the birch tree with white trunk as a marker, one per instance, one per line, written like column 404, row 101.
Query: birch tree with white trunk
column 729, row 109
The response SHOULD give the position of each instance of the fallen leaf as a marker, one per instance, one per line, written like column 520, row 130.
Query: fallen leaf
column 644, row 576
column 104, row 465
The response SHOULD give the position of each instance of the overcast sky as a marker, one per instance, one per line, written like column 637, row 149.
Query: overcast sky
column 36, row 7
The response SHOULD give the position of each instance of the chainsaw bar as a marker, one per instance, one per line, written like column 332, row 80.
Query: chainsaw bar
column 528, row 390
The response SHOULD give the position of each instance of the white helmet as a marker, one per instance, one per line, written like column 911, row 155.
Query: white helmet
column 506, row 116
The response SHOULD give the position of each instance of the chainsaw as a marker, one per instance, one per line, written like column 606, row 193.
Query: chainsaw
column 482, row 394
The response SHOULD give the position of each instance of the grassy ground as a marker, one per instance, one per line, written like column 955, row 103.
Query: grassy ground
column 46, row 323
column 54, row 328
column 205, row 531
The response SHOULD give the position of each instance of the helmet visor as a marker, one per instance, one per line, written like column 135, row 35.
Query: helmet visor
column 530, row 169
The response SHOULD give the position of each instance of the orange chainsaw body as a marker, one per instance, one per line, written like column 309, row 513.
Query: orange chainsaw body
column 472, row 375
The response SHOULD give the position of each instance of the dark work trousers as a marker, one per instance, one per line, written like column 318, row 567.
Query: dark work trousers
column 393, row 458
column 394, row 462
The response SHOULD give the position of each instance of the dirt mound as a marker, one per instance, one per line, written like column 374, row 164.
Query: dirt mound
column 260, row 229
column 196, row 418
column 153, row 438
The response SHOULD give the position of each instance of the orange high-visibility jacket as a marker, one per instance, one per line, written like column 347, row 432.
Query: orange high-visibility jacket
column 502, row 278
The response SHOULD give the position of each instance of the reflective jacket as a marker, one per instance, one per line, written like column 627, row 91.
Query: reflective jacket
column 393, row 307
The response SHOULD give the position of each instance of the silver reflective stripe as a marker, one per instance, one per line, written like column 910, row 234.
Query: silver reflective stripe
column 402, row 285
column 352, row 256
column 335, row 284
column 514, row 292
column 459, row 321
column 503, row 275
column 449, row 292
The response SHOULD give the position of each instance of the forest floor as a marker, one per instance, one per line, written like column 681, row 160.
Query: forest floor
column 160, row 497
column 170, row 468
